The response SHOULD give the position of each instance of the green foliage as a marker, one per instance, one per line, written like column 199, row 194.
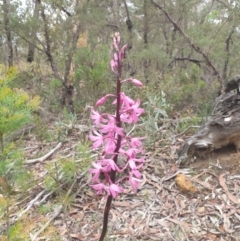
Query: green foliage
column 15, row 233
column 60, row 173
column 13, row 170
column 15, row 104
column 66, row 125
column 188, row 92
column 155, row 107
column 84, row 155
column 184, row 125
column 92, row 73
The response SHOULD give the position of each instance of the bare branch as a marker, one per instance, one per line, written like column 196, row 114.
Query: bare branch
column 41, row 159
column 190, row 42
column 128, row 21
column 195, row 61
column 227, row 50
column 48, row 44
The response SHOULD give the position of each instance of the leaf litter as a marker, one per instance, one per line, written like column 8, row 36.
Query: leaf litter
column 199, row 202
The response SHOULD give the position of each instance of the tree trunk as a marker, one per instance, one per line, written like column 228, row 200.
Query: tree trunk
column 146, row 62
column 8, row 32
column 227, row 50
column 68, row 88
column 31, row 47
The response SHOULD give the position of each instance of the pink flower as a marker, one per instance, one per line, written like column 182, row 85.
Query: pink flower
column 130, row 153
column 136, row 141
column 110, row 163
column 115, row 189
column 100, row 187
column 111, row 131
column 110, row 145
column 97, row 139
column 135, row 183
column 134, row 168
column 130, row 114
column 96, row 117
column 126, row 101
column 140, row 160
column 111, row 128
column 97, row 171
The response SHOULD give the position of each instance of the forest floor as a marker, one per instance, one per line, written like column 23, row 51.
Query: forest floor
column 163, row 209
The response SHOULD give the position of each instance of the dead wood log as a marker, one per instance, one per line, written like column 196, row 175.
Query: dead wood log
column 222, row 128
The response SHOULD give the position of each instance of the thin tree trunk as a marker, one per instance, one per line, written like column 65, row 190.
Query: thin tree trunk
column 31, row 47
column 145, row 40
column 129, row 26
column 47, row 49
column 227, row 50
column 68, row 89
column 8, row 32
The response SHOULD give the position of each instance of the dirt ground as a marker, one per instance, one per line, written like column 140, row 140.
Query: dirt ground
column 226, row 159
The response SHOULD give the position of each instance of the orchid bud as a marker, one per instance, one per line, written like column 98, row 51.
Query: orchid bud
column 136, row 82
column 122, row 52
column 113, row 65
column 116, row 38
column 115, row 57
column 101, row 101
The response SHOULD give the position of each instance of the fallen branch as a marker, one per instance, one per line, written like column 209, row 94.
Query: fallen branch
column 43, row 158
column 57, row 211
column 30, row 204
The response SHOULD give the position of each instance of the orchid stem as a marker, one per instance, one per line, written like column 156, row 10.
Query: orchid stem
column 105, row 217
column 118, row 145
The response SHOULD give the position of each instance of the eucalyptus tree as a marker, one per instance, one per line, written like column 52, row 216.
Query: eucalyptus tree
column 53, row 28
column 6, row 26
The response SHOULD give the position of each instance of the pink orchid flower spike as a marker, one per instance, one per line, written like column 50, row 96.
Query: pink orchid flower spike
column 120, row 154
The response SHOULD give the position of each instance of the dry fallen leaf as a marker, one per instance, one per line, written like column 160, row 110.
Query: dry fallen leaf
column 184, row 184
column 77, row 236
column 211, row 236
column 222, row 182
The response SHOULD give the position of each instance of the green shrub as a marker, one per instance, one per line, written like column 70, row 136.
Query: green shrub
column 16, row 105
